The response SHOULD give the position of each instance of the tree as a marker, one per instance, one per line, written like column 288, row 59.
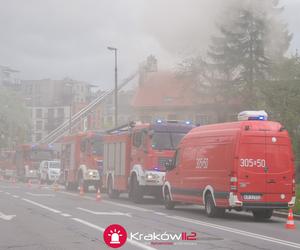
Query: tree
column 250, row 40
column 281, row 97
column 14, row 118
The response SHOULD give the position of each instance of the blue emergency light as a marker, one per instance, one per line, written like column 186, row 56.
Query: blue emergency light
column 260, row 115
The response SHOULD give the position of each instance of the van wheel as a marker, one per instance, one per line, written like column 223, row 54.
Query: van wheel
column 136, row 192
column 113, row 194
column 210, row 209
column 262, row 214
column 169, row 204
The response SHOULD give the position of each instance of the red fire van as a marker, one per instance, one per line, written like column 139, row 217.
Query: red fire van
column 245, row 165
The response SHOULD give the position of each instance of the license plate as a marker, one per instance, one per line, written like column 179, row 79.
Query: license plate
column 254, row 197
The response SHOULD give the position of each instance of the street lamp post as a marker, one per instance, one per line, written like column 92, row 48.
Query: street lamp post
column 70, row 97
column 116, row 85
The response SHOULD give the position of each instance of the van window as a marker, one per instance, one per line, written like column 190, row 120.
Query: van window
column 177, row 157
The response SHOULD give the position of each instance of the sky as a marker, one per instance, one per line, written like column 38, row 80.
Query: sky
column 69, row 38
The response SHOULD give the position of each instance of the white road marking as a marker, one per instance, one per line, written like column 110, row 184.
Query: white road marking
column 132, row 242
column 16, row 196
column 159, row 213
column 104, row 213
column 47, row 195
column 6, row 216
column 7, row 193
column 237, row 231
column 111, row 202
column 128, row 206
column 42, row 206
column 66, row 215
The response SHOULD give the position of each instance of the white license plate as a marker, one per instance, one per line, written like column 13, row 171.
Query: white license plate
column 254, row 197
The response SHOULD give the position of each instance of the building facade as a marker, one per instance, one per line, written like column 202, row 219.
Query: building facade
column 52, row 102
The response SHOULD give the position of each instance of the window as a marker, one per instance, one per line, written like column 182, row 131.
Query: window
column 39, row 125
column 38, row 113
column 60, row 112
column 38, row 136
column 137, row 139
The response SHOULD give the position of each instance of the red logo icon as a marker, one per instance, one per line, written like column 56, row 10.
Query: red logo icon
column 115, row 236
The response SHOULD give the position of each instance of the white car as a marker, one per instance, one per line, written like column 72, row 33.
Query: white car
column 49, row 171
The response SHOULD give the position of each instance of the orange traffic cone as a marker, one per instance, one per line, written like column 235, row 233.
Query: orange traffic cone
column 290, row 224
column 81, row 192
column 98, row 196
column 29, row 183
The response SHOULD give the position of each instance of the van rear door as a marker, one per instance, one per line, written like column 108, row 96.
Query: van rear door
column 279, row 160
column 251, row 171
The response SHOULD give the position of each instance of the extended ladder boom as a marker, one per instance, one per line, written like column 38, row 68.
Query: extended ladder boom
column 76, row 118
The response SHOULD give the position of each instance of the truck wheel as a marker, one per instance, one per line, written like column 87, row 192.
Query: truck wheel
column 169, row 204
column 136, row 191
column 262, row 214
column 210, row 208
column 113, row 194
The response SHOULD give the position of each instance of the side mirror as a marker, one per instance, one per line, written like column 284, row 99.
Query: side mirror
column 169, row 165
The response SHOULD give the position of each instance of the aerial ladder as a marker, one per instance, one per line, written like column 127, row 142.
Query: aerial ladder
column 75, row 119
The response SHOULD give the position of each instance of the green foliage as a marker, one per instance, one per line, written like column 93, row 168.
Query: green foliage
column 297, row 206
column 14, row 118
column 251, row 39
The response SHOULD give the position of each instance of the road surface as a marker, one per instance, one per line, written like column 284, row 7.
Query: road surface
column 33, row 217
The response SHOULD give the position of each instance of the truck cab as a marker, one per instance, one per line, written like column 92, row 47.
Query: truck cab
column 28, row 159
column 144, row 148
column 82, row 160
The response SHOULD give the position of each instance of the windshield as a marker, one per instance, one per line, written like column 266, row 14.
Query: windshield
column 39, row 155
column 166, row 140
column 54, row 164
column 97, row 148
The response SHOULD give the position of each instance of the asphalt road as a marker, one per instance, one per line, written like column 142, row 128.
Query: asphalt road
column 41, row 218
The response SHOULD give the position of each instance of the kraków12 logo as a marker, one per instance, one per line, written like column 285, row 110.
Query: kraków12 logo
column 115, row 236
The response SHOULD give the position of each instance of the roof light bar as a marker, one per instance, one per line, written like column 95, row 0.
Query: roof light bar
column 259, row 115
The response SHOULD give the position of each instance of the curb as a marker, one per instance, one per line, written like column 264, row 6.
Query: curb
column 285, row 215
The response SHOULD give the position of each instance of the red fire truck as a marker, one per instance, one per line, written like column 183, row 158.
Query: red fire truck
column 28, row 159
column 134, row 157
column 244, row 165
column 82, row 160
column 8, row 164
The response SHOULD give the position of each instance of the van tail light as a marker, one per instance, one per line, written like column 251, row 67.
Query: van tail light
column 233, row 183
column 294, row 185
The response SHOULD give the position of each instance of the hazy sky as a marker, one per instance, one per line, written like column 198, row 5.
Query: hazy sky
column 68, row 38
